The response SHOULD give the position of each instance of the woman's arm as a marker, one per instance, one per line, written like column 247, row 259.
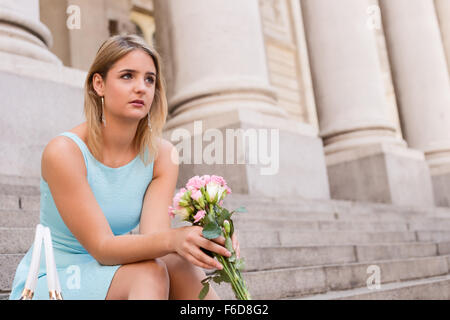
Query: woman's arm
column 154, row 226
column 185, row 241
column 65, row 172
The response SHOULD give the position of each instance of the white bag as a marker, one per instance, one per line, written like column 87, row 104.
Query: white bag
column 54, row 288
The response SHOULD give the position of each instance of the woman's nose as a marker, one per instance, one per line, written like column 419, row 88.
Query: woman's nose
column 140, row 85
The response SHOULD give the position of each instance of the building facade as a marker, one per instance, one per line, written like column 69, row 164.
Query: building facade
column 344, row 99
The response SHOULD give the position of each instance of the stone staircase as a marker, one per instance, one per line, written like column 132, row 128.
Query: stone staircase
column 294, row 248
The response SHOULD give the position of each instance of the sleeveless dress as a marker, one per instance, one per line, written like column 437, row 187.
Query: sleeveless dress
column 120, row 194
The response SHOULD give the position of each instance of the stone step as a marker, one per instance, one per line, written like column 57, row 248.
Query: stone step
column 29, row 218
column 9, row 202
column 432, row 288
column 266, row 258
column 16, row 240
column 8, row 266
column 19, row 180
column 427, row 224
column 4, row 295
column 12, row 185
column 14, row 202
column 433, row 235
column 302, row 281
column 418, row 221
column 325, row 210
column 19, row 218
column 290, row 237
column 259, row 210
column 316, row 225
column 19, row 190
column 328, row 205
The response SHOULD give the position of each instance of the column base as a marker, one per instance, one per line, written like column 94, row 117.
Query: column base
column 23, row 36
column 380, row 173
column 41, row 100
column 270, row 161
column 440, row 178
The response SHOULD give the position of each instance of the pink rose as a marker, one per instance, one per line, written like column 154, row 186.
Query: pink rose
column 196, row 195
column 199, row 216
column 176, row 200
column 178, row 197
column 171, row 212
column 195, row 183
column 219, row 180
column 206, row 179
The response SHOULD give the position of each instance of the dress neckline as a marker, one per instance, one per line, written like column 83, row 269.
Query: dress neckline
column 100, row 163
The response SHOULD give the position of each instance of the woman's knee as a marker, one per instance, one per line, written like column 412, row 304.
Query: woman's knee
column 177, row 265
column 149, row 273
column 152, row 270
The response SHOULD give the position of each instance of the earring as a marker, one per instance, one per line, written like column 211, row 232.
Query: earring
column 103, row 112
column 149, row 123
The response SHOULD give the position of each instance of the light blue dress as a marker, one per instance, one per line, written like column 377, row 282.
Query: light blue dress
column 120, row 193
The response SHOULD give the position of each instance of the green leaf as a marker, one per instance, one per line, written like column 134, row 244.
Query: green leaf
column 231, row 227
column 240, row 209
column 217, row 279
column 211, row 230
column 204, row 291
column 206, row 280
column 240, row 264
column 229, row 244
column 223, row 275
column 232, row 258
column 226, row 214
column 210, row 217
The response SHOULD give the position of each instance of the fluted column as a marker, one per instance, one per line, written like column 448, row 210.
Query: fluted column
column 216, row 58
column 422, row 82
column 22, row 33
column 216, row 69
column 356, row 124
column 443, row 14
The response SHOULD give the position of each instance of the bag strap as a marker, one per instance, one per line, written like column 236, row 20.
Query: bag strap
column 54, row 289
column 42, row 234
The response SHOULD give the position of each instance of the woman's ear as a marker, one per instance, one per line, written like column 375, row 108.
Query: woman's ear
column 98, row 84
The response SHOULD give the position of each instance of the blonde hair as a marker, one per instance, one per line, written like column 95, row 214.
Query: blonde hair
column 109, row 52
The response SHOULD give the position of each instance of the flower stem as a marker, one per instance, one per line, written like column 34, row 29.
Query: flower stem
column 235, row 277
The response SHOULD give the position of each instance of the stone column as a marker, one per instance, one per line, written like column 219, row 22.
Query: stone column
column 39, row 96
column 422, row 84
column 216, row 70
column 22, row 33
column 366, row 158
column 443, row 14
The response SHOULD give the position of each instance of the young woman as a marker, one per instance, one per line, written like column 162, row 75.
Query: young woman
column 103, row 177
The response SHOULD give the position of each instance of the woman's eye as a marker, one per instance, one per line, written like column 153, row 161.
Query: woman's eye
column 126, row 74
column 150, row 79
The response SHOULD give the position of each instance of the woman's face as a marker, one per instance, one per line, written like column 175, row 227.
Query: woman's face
column 133, row 77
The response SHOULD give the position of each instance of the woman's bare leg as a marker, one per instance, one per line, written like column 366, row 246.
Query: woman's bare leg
column 141, row 280
column 185, row 279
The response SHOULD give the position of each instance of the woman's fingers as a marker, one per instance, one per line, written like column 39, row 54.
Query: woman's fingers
column 197, row 262
column 205, row 259
column 214, row 247
column 220, row 240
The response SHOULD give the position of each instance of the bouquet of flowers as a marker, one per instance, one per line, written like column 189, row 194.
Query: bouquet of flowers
column 200, row 203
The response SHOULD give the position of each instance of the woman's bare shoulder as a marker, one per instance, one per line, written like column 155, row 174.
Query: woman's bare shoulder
column 64, row 150
column 167, row 157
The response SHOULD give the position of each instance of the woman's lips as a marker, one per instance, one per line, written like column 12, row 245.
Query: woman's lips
column 137, row 103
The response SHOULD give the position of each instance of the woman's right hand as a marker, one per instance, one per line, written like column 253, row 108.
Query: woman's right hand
column 188, row 241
